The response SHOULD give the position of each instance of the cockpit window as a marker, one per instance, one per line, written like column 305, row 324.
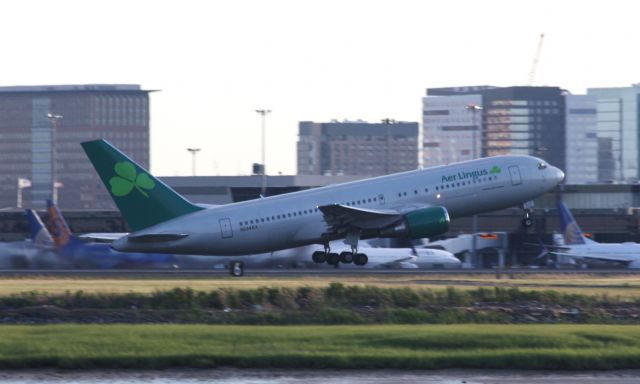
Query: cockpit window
column 542, row 165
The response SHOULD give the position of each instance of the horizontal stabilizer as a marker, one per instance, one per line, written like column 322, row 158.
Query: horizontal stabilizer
column 156, row 237
column 103, row 237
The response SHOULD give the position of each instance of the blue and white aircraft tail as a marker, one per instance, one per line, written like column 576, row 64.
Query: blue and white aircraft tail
column 39, row 234
column 579, row 249
column 570, row 229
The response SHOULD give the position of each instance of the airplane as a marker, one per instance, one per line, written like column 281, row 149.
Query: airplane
column 394, row 258
column 58, row 232
column 76, row 252
column 408, row 258
column 24, row 254
column 579, row 248
column 378, row 257
column 414, row 204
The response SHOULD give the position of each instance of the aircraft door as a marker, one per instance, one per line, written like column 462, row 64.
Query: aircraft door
column 514, row 172
column 225, row 228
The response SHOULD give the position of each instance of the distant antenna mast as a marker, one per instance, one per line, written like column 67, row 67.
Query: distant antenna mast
column 536, row 58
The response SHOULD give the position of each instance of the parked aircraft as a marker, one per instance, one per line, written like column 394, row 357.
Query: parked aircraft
column 401, row 258
column 581, row 249
column 24, row 254
column 79, row 253
column 413, row 204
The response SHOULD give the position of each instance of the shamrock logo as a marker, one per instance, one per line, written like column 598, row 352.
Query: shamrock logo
column 495, row 170
column 128, row 179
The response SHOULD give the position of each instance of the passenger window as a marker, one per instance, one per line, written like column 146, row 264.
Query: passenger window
column 426, row 190
column 415, row 191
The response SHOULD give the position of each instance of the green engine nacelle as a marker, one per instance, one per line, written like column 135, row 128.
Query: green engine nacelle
column 427, row 222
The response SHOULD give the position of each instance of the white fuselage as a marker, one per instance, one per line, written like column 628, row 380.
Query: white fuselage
column 625, row 253
column 293, row 220
column 378, row 258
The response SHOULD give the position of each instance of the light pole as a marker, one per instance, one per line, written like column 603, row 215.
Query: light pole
column 474, row 109
column 263, row 115
column 194, row 152
column 22, row 184
column 387, row 123
column 54, row 119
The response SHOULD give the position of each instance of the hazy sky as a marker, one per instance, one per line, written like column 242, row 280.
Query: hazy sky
column 215, row 62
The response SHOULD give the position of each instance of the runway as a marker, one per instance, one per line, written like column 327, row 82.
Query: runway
column 177, row 273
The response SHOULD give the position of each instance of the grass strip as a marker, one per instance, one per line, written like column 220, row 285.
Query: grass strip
column 565, row 347
column 618, row 285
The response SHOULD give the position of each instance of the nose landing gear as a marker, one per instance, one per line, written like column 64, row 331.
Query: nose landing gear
column 527, row 220
column 236, row 268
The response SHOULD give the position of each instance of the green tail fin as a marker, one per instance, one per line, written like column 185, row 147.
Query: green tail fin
column 142, row 199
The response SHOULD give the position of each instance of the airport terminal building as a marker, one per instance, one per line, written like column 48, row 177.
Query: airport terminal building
column 44, row 125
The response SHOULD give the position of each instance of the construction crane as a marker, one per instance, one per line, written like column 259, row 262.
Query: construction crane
column 536, row 58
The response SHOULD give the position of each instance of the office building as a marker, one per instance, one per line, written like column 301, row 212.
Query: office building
column 505, row 120
column 581, row 140
column 357, row 148
column 41, row 128
column 618, row 129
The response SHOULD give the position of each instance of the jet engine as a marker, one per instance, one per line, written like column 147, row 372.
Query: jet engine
column 420, row 223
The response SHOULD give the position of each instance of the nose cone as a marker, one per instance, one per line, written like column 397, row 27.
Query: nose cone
column 557, row 175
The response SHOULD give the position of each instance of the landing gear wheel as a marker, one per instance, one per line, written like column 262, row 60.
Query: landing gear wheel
column 346, row 257
column 236, row 268
column 333, row 259
column 360, row 259
column 319, row 257
column 527, row 221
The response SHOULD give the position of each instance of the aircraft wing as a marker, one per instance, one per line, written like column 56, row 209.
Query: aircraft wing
column 103, row 237
column 341, row 218
column 144, row 238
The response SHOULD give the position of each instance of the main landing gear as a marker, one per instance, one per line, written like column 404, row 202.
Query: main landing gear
column 334, row 259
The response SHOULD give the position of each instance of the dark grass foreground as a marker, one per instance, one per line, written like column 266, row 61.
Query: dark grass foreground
column 335, row 304
column 570, row 347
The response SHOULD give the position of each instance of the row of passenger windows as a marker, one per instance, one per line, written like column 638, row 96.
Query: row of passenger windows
column 454, row 185
column 278, row 217
column 365, row 201
column 464, row 183
column 305, row 212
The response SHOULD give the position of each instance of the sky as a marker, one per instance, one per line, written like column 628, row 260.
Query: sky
column 216, row 62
